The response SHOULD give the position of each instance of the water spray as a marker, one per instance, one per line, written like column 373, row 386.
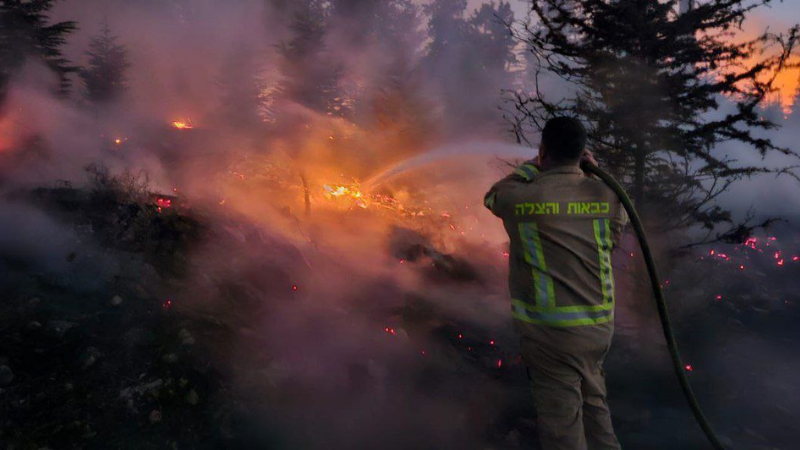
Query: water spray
column 655, row 282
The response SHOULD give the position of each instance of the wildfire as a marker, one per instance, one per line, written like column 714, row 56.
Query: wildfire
column 757, row 245
column 182, row 124
column 350, row 191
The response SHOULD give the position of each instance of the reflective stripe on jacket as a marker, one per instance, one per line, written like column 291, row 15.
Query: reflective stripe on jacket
column 563, row 227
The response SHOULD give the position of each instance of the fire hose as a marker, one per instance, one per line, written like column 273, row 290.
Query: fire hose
column 655, row 282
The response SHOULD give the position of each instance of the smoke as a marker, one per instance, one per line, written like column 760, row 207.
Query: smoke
column 336, row 340
column 341, row 328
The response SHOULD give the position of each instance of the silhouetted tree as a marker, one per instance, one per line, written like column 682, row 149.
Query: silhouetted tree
column 242, row 87
column 660, row 91
column 384, row 40
column 25, row 32
column 108, row 61
column 469, row 59
column 311, row 74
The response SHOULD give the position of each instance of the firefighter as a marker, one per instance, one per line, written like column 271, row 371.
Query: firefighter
column 563, row 226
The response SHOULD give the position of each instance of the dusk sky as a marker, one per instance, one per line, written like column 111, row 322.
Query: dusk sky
column 766, row 195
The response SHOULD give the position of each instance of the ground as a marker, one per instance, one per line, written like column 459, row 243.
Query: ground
column 159, row 325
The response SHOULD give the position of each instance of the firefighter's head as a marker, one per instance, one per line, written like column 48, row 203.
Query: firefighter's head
column 563, row 141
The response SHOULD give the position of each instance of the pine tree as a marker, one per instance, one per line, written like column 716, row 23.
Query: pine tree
column 661, row 91
column 447, row 26
column 242, row 84
column 492, row 40
column 388, row 45
column 25, row 33
column 108, row 62
column 311, row 75
column 469, row 57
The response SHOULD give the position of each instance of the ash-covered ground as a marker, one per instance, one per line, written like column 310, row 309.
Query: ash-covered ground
column 137, row 319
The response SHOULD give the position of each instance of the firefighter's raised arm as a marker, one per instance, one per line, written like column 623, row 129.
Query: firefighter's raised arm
column 494, row 199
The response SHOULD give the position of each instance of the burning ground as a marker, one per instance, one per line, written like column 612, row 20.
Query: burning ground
column 176, row 275
column 305, row 311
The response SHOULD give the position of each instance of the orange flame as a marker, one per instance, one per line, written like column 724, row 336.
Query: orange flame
column 182, row 124
column 351, row 191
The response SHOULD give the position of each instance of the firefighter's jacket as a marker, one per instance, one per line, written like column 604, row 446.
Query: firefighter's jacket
column 563, row 226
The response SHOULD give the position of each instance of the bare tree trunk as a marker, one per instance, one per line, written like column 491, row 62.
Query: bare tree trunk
column 306, row 194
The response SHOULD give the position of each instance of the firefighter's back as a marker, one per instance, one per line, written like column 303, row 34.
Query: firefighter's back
column 563, row 228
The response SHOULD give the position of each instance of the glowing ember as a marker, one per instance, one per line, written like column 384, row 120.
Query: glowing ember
column 294, row 287
column 167, row 304
column 499, row 363
column 393, row 332
column 182, row 125
column 719, row 297
column 689, row 368
column 164, row 202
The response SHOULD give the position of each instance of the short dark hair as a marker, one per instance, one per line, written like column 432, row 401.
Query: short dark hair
column 564, row 138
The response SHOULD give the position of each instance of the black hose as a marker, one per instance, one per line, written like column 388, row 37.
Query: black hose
column 677, row 364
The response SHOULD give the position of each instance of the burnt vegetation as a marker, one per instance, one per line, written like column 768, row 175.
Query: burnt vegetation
column 268, row 312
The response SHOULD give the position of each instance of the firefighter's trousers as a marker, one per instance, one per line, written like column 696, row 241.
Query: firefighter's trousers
column 569, row 394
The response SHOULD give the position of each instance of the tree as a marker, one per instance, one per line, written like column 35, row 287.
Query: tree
column 311, row 74
column 469, row 57
column 242, row 87
column 661, row 92
column 108, row 62
column 384, row 39
column 25, row 33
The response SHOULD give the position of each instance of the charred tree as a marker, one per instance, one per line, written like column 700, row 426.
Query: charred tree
column 662, row 85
